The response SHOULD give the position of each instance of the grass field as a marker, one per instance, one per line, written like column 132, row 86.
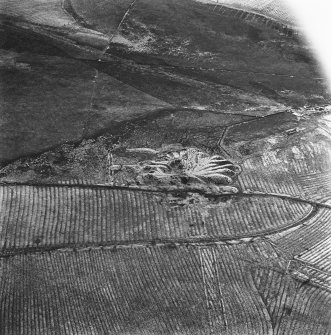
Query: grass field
column 181, row 53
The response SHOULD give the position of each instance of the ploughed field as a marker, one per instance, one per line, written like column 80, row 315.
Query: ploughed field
column 78, row 255
column 124, row 275
column 87, row 245
column 124, row 216
column 188, row 290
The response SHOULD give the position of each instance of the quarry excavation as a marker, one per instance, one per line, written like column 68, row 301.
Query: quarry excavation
column 165, row 168
column 184, row 166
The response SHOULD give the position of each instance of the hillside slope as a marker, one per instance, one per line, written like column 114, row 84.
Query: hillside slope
column 165, row 169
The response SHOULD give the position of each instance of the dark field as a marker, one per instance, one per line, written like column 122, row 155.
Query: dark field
column 172, row 54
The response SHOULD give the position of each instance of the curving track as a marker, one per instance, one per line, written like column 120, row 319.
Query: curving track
column 92, row 259
column 106, row 216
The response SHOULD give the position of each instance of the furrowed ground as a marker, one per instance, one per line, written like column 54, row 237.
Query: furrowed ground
column 86, row 246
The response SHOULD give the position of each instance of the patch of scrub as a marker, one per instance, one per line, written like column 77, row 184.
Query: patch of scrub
column 140, row 45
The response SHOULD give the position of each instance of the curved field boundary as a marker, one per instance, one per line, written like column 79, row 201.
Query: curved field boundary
column 279, row 24
column 313, row 232
column 316, row 262
column 319, row 255
column 271, row 181
column 317, row 185
column 44, row 218
column 251, row 16
column 285, row 299
column 47, row 13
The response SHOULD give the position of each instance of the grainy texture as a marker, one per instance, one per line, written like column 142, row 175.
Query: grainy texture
column 207, row 290
column 95, row 89
column 36, row 216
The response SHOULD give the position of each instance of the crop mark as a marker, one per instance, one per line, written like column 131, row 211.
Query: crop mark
column 264, row 301
column 289, row 267
column 282, row 290
column 213, row 295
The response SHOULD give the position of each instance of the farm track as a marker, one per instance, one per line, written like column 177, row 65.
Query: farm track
column 79, row 258
column 106, row 217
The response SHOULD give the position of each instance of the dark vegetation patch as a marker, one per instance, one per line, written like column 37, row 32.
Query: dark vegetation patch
column 88, row 159
column 193, row 58
column 67, row 5
column 261, row 128
column 102, row 15
column 24, row 42
column 223, row 66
